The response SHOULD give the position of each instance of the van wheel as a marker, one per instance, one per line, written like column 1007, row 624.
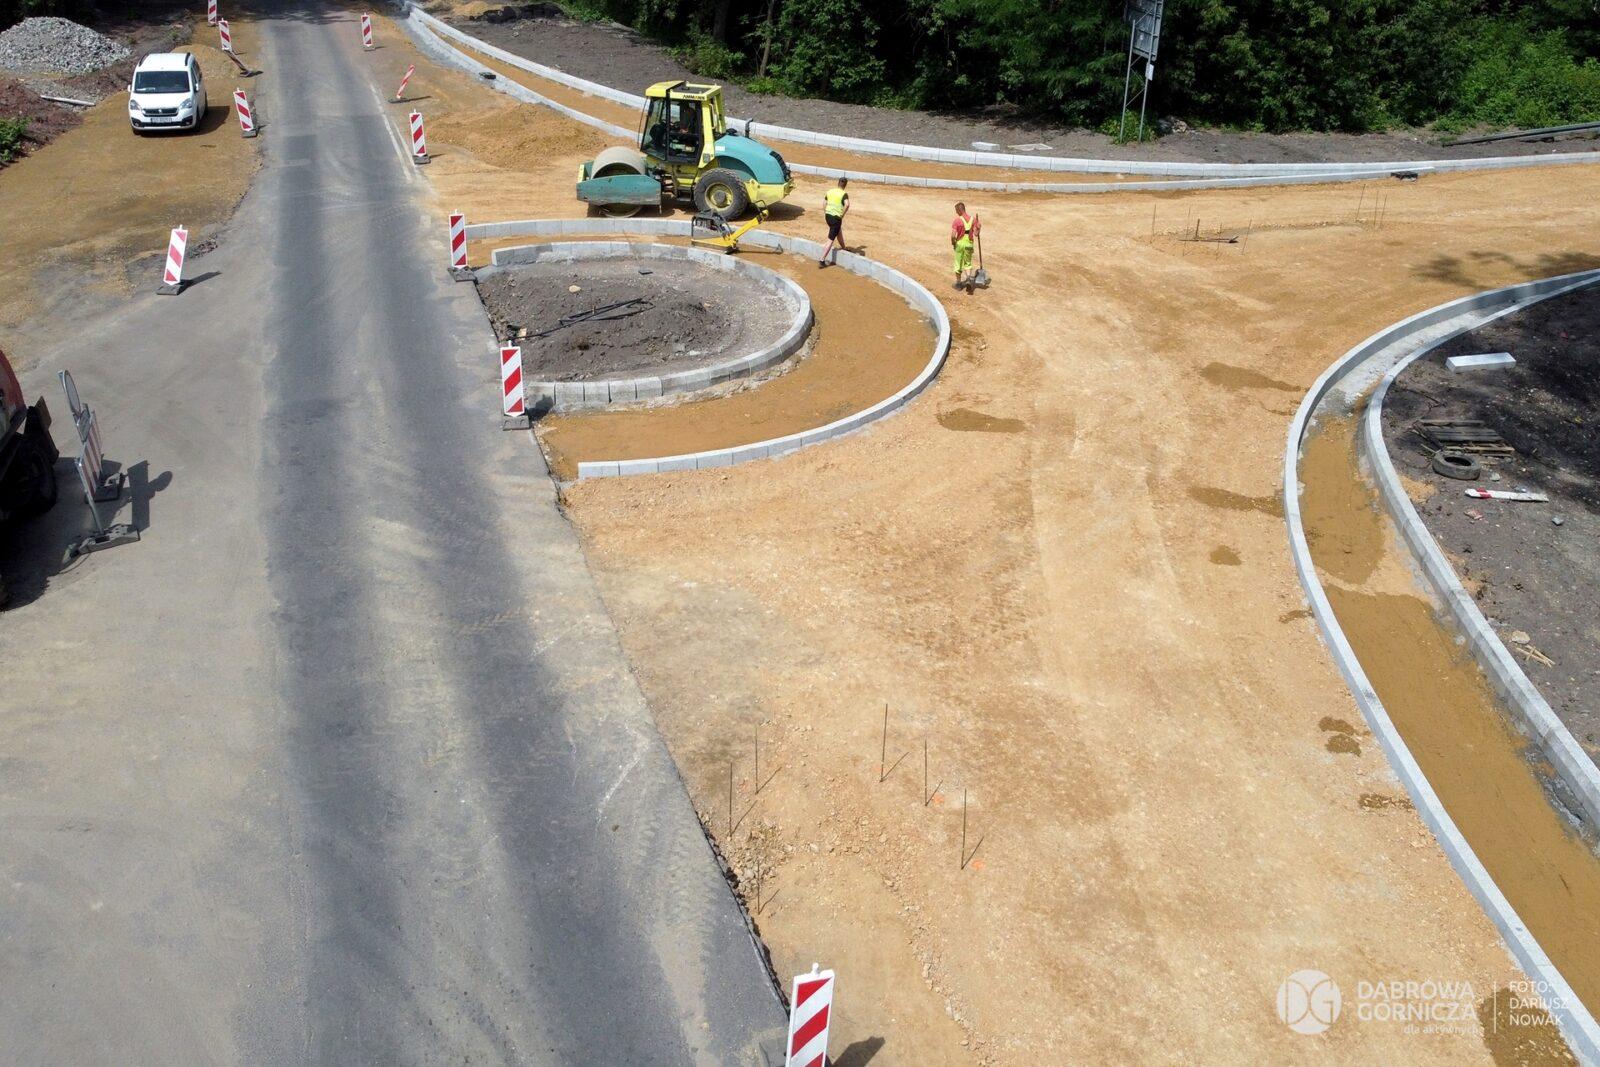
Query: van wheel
column 721, row 191
column 36, row 486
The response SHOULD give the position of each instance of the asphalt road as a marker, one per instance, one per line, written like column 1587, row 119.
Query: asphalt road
column 342, row 762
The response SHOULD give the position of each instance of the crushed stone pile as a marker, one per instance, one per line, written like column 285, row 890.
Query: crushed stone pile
column 57, row 46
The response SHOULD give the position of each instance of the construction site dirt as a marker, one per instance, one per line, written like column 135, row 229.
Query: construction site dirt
column 1495, row 785
column 1064, row 568
column 628, row 118
column 625, row 318
column 1534, row 567
column 115, row 237
column 867, row 342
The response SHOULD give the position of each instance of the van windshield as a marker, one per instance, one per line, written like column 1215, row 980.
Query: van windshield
column 161, row 81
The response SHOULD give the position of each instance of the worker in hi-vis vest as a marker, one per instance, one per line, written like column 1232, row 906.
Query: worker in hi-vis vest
column 962, row 230
column 836, row 205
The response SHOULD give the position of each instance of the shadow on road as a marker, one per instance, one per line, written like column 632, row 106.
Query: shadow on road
column 34, row 552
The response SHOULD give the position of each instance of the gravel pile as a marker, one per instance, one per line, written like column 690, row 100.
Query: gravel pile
column 54, row 45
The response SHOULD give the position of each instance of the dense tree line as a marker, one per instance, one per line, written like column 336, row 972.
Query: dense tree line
column 1260, row 64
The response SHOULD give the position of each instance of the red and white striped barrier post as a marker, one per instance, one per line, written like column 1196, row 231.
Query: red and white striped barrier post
column 247, row 121
column 400, row 92
column 458, row 248
column 419, row 142
column 211, row 12
column 809, row 1012
column 172, row 277
column 226, row 35
column 366, row 32
column 513, row 400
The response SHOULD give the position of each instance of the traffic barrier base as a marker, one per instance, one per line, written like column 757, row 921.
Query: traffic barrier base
column 98, row 485
column 120, row 533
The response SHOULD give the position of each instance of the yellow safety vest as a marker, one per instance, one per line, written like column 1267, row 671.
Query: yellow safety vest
column 966, row 228
column 836, row 198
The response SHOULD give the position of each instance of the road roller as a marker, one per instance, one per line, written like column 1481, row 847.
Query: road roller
column 686, row 151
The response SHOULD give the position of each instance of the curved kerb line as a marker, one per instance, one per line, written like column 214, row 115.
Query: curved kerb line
column 913, row 292
column 541, row 397
column 1577, row 1025
column 1229, row 172
column 1532, row 711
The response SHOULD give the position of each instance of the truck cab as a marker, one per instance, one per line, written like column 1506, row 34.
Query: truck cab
column 27, row 453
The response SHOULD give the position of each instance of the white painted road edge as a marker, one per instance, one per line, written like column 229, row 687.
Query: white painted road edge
column 592, row 395
column 1324, row 172
column 1577, row 1025
column 914, row 294
column 1529, row 708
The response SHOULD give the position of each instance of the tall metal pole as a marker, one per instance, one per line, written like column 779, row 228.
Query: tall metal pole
column 1122, row 125
column 1144, row 98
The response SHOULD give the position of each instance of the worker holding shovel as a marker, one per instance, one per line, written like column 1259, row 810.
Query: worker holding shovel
column 962, row 233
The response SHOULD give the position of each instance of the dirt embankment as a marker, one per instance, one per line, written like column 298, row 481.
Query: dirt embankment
column 126, row 193
column 1064, row 568
column 622, row 59
column 1485, row 772
column 1533, row 567
column 587, row 321
column 808, row 155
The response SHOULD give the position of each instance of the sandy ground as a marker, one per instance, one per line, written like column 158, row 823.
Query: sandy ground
column 126, row 193
column 1062, row 568
column 1496, row 789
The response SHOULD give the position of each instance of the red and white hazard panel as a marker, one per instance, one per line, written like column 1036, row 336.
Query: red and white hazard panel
column 811, row 1007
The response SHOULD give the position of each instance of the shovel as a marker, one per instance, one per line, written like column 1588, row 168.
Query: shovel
column 981, row 278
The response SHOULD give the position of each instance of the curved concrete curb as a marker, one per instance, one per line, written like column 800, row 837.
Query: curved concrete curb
column 1531, row 711
column 578, row 396
column 914, row 294
column 425, row 31
column 1577, row 1025
column 1324, row 172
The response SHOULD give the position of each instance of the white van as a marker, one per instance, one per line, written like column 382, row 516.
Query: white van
column 167, row 93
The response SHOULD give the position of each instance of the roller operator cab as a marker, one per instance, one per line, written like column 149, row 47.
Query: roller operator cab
column 686, row 151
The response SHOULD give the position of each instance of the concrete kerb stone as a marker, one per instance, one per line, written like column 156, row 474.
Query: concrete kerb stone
column 1344, row 171
column 1529, row 708
column 418, row 28
column 916, row 295
column 1577, row 1025
column 609, row 391
column 420, row 31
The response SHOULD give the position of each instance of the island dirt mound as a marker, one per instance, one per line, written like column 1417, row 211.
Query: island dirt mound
column 618, row 318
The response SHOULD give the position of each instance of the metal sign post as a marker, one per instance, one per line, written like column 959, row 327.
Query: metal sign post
column 97, row 485
column 1144, row 38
